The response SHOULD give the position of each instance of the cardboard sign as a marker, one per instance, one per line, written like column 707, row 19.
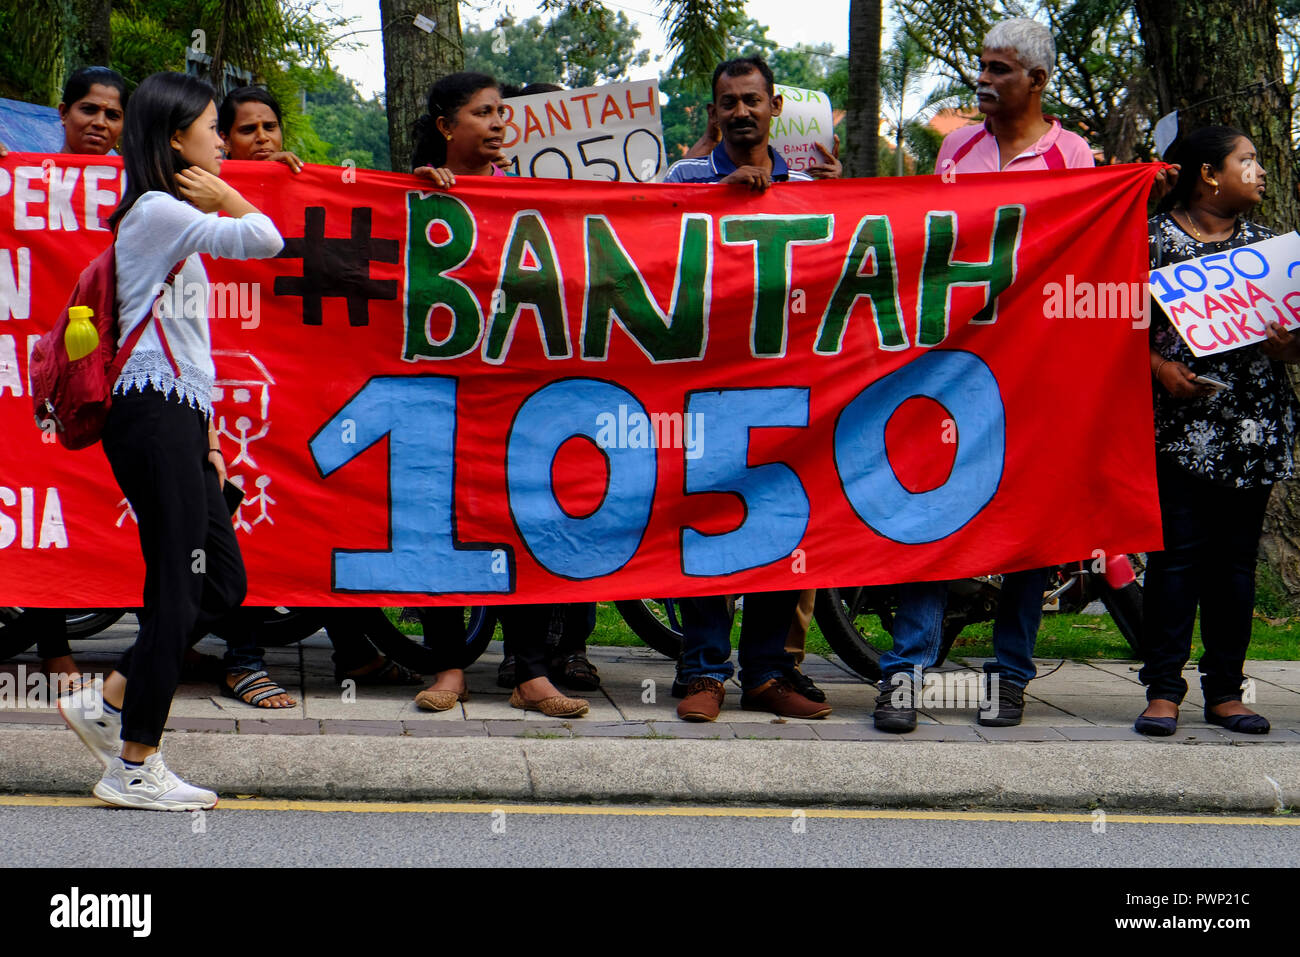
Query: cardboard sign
column 611, row 133
column 805, row 120
column 1226, row 300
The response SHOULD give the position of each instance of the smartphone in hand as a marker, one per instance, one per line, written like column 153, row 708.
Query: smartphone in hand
column 233, row 495
column 1218, row 385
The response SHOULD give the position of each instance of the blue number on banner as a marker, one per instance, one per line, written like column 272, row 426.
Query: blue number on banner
column 418, row 414
column 776, row 505
column 600, row 543
column 1170, row 294
column 1232, row 258
column 964, row 385
column 1189, row 268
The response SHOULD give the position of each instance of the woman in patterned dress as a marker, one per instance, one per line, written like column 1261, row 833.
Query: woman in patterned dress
column 1218, row 452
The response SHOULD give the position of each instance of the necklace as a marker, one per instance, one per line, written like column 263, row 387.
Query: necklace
column 1191, row 224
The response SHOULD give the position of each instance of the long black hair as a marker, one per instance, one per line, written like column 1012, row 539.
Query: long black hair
column 82, row 80
column 245, row 94
column 163, row 104
column 1209, row 144
column 445, row 97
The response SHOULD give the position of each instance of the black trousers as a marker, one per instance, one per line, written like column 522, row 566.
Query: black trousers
column 1211, row 542
column 533, row 634
column 50, row 628
column 194, row 574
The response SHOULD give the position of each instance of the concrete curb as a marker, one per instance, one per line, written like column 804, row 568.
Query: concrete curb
column 1077, row 775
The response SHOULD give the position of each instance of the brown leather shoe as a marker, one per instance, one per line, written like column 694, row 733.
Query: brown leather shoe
column 703, row 700
column 778, row 696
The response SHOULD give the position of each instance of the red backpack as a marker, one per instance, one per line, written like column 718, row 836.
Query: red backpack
column 72, row 397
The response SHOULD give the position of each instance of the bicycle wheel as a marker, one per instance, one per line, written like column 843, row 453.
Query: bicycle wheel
column 1125, row 607
column 279, row 626
column 85, row 622
column 656, row 621
column 841, row 615
column 16, row 637
column 410, row 652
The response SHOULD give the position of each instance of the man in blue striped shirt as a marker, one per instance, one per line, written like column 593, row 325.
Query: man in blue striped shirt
column 744, row 102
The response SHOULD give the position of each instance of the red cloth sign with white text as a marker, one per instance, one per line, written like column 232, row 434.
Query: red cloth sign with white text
column 541, row 391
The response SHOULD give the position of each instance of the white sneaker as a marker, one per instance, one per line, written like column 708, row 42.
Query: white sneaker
column 152, row 787
column 84, row 712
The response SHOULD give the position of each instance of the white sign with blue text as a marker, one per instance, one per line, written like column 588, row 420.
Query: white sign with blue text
column 1226, row 300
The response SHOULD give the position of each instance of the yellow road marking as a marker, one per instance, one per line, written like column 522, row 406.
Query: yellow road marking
column 848, row 814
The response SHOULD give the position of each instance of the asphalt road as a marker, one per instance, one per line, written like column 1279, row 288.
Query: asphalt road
column 65, row 832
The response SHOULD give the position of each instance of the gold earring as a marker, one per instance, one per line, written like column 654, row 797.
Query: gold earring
column 448, row 137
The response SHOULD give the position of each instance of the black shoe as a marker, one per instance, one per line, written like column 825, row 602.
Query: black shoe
column 804, row 685
column 575, row 672
column 1007, row 709
column 679, row 686
column 895, row 707
column 506, row 673
column 1241, row 723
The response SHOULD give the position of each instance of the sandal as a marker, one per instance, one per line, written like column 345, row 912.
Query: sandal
column 254, row 688
column 387, row 672
column 575, row 672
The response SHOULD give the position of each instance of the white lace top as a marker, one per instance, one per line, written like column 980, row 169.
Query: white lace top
column 157, row 232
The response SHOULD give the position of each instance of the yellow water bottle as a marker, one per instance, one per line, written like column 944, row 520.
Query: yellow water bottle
column 80, row 339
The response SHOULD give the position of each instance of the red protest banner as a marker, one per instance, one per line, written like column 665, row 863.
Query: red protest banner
column 542, row 391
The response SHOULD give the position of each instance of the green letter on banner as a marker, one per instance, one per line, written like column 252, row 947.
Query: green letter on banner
column 428, row 286
column 617, row 290
column 874, row 242
column 772, row 237
column 939, row 274
column 530, row 278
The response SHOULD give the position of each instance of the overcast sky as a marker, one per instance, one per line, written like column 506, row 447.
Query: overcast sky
column 788, row 22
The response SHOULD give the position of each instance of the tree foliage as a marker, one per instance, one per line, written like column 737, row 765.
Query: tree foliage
column 259, row 36
column 577, row 48
column 345, row 125
column 809, row 67
column 1101, row 88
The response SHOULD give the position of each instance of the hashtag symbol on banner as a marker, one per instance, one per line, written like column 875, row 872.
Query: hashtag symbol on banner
column 337, row 268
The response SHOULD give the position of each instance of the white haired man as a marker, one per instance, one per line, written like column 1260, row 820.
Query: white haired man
column 1015, row 65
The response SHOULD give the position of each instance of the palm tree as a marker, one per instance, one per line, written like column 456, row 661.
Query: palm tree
column 901, row 68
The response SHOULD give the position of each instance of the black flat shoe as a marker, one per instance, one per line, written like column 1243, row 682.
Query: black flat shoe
column 1241, row 723
column 1155, row 727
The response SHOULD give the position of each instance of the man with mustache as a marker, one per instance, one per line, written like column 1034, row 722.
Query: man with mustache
column 744, row 102
column 1015, row 64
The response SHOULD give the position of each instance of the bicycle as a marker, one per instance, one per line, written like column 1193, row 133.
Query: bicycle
column 842, row 614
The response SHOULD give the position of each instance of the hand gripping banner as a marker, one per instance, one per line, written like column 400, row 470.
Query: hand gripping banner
column 524, row 390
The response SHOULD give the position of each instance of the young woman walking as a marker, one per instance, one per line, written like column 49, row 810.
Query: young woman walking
column 159, row 437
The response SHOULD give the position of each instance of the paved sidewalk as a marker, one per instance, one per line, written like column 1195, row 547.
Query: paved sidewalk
column 1076, row 746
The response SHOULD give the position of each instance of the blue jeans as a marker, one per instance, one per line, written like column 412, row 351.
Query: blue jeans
column 706, row 643
column 918, row 627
